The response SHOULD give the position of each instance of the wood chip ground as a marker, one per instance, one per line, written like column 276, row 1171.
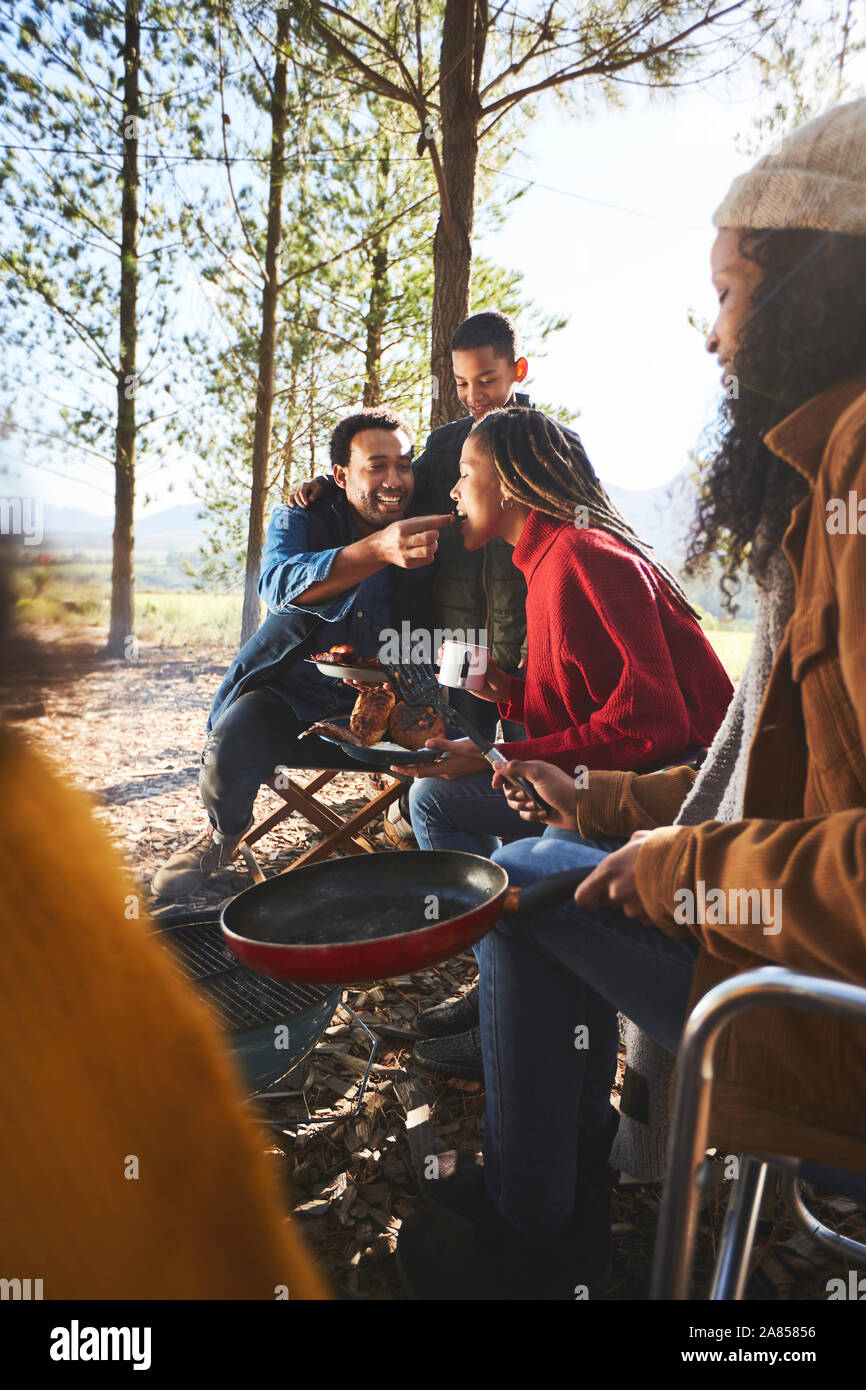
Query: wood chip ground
column 130, row 734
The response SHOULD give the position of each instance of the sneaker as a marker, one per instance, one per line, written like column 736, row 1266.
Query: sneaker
column 397, row 825
column 454, row 1016
column 190, row 868
column 459, row 1055
column 394, row 838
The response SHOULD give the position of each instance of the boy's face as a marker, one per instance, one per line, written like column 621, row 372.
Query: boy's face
column 484, row 381
column 379, row 480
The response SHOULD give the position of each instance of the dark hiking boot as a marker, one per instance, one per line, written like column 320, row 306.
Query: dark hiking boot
column 190, row 868
column 458, row 1056
column 456, row 1181
column 454, row 1016
column 442, row 1255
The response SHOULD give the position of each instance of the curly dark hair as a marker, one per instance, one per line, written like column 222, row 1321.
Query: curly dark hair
column 806, row 332
column 375, row 418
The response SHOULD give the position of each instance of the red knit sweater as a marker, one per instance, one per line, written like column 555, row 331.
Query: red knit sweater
column 618, row 674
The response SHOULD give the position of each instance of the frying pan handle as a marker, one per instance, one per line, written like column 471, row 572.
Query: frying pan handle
column 550, row 892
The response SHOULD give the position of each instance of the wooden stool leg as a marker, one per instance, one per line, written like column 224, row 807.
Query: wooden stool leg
column 347, row 837
column 298, row 799
column 339, row 833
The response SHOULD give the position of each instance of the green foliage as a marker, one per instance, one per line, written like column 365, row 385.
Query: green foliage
column 361, row 202
column 61, row 118
column 809, row 66
column 360, row 209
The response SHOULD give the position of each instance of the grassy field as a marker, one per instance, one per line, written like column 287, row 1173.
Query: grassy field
column 162, row 620
column 181, row 620
column 732, row 649
column 75, row 595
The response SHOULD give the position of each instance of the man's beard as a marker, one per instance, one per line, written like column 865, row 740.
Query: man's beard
column 375, row 516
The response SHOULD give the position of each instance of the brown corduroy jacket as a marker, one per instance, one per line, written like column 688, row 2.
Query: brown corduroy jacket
column 787, row 1082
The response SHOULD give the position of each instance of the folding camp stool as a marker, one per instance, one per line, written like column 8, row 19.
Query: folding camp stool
column 339, row 833
column 687, row 1169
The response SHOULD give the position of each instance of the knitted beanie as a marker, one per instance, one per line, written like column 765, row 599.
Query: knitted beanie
column 815, row 177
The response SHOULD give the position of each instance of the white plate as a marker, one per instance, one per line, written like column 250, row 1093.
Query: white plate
column 351, row 673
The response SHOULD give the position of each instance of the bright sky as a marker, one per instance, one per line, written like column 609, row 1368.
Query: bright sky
column 629, row 360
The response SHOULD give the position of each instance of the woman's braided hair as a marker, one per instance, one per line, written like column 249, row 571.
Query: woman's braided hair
column 545, row 467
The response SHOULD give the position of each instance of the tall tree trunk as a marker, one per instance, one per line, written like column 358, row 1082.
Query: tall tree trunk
column 311, row 413
column 287, row 487
column 464, row 33
column 375, row 319
column 378, row 303
column 121, row 623
column 267, row 336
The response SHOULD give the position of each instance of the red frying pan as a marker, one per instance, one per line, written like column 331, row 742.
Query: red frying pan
column 351, row 921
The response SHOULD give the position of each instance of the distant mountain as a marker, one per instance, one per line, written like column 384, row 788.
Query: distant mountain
column 75, row 521
column 660, row 515
column 663, row 516
column 173, row 528
column 183, row 518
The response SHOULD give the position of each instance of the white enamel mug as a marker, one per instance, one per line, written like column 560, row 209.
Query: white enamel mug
column 462, row 666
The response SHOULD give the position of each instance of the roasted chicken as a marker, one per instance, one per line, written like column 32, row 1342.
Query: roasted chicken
column 345, row 656
column 334, row 731
column 412, row 725
column 371, row 713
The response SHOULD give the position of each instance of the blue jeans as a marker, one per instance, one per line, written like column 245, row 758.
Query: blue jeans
column 551, row 987
column 465, row 814
column 254, row 736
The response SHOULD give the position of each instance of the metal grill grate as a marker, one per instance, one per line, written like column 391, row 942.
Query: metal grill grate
column 243, row 999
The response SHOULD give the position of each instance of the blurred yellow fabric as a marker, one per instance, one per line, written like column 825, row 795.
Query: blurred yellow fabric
column 110, row 1066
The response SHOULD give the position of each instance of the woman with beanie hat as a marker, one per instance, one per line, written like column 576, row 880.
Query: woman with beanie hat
column 788, row 818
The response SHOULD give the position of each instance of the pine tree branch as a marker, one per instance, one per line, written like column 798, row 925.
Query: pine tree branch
column 334, row 40
column 66, row 440
column 320, row 265
column 603, row 67
column 43, row 217
column 37, row 286
column 223, row 124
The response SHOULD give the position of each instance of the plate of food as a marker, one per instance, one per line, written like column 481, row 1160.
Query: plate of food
column 383, row 731
column 343, row 663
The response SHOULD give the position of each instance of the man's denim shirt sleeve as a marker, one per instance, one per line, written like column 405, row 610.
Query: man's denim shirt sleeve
column 289, row 568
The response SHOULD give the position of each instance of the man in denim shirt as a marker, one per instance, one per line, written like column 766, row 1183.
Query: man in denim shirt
column 343, row 570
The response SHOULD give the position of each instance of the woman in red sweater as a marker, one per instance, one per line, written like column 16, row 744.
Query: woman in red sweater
column 619, row 674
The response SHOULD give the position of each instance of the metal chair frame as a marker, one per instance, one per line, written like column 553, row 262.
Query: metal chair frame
column 687, row 1169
